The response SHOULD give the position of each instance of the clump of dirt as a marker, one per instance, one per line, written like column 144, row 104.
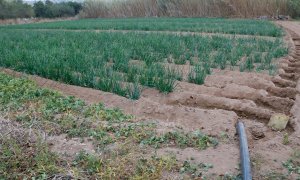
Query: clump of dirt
column 257, row 131
column 242, row 107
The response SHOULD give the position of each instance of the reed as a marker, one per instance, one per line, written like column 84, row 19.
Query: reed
column 185, row 8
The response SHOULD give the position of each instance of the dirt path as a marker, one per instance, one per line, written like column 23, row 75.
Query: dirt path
column 32, row 20
column 215, row 107
column 160, row 32
column 291, row 25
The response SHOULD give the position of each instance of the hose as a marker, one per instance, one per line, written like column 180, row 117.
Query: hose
column 244, row 152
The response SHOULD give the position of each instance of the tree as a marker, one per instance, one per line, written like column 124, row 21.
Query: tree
column 15, row 9
column 3, row 9
column 62, row 10
column 21, row 9
column 53, row 10
column 76, row 6
column 39, row 9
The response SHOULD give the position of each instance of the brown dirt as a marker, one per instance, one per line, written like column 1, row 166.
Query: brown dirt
column 215, row 107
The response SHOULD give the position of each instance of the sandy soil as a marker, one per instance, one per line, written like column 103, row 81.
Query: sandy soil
column 215, row 107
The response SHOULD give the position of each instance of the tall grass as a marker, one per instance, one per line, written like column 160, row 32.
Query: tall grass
column 184, row 8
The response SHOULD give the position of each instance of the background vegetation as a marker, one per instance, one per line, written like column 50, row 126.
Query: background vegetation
column 52, row 10
column 47, row 9
column 15, row 9
column 191, row 8
column 151, row 8
column 294, row 7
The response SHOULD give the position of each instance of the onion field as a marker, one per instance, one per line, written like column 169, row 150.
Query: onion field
column 206, row 25
column 124, row 62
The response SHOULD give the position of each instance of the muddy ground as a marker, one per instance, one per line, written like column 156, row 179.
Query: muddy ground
column 214, row 108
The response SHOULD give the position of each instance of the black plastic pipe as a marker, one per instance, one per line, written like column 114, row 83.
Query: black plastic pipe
column 244, row 152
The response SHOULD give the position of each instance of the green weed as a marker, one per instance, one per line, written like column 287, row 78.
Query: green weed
column 285, row 139
column 195, row 139
column 293, row 164
column 195, row 170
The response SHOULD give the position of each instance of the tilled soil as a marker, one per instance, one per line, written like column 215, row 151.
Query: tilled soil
column 215, row 107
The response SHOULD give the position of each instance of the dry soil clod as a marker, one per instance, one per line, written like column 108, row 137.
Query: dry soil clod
column 291, row 69
column 283, row 82
column 289, row 76
column 246, row 108
column 283, row 92
column 277, row 103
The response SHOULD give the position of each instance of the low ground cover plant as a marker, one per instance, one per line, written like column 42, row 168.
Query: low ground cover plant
column 32, row 112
